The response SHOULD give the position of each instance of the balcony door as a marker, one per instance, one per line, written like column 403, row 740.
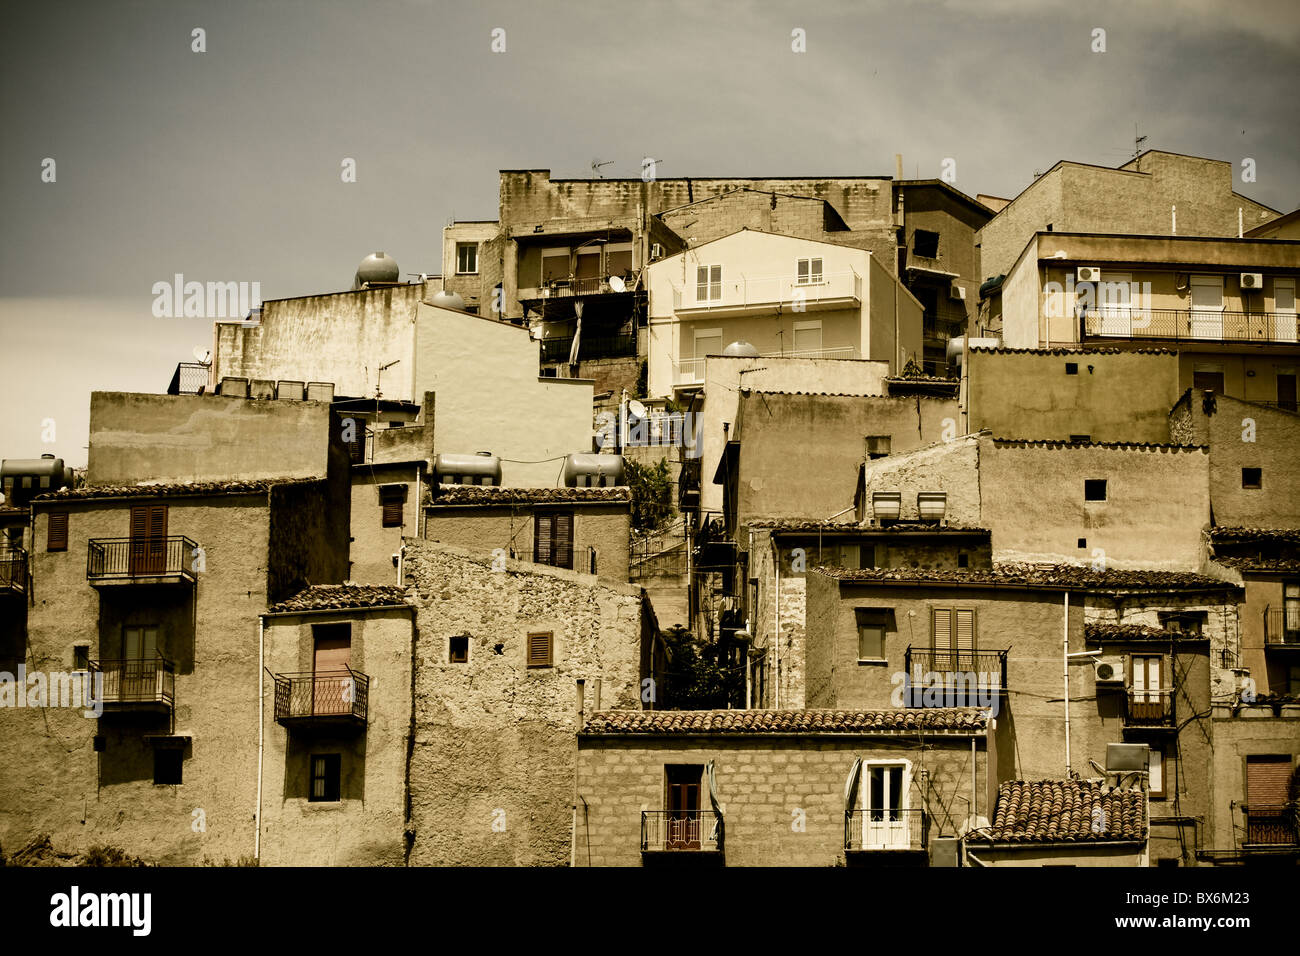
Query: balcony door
column 1284, row 316
column 148, row 547
column 331, row 660
column 884, row 824
column 1147, row 685
column 1268, row 782
column 952, row 639
column 1291, row 612
column 683, row 805
column 137, row 676
column 1114, row 305
column 1207, row 307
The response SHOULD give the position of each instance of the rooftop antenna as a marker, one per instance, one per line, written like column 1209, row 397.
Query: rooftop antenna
column 203, row 354
column 382, row 368
column 1137, row 147
column 596, row 165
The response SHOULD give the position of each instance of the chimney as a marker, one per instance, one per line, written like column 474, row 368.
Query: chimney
column 898, row 165
column 595, row 704
column 581, row 694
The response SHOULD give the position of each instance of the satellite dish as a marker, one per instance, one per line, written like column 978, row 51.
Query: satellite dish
column 617, row 284
column 202, row 353
column 636, row 408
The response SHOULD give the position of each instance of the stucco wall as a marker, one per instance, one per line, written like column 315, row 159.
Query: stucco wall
column 373, row 545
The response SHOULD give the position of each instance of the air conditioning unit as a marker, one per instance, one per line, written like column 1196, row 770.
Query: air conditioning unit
column 1087, row 274
column 956, row 291
column 656, row 251
column 1109, row 670
column 1252, row 280
column 886, row 505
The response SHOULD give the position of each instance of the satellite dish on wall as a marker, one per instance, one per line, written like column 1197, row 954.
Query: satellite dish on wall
column 202, row 353
column 617, row 284
column 636, row 408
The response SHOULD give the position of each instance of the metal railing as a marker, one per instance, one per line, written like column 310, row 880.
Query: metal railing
column 1272, row 825
column 782, row 290
column 681, row 830
column 1188, row 325
column 589, row 347
column 13, row 569
column 877, row 829
column 145, row 680
column 691, row 371
column 961, row 677
column 1149, row 708
column 190, row 378
column 579, row 285
column 1282, row 626
column 126, row 558
column 310, row 694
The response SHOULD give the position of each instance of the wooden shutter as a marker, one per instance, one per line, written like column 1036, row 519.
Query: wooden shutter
column 539, row 649
column 941, row 636
column 56, row 533
column 392, row 499
column 1267, row 780
column 543, row 535
column 964, row 642
column 562, row 544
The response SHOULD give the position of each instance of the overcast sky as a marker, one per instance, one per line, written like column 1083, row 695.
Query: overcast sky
column 225, row 165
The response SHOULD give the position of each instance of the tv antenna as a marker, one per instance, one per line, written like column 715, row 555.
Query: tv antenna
column 596, row 166
column 1137, row 143
column 378, row 374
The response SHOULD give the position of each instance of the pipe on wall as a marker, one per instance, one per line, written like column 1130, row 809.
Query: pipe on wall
column 261, row 732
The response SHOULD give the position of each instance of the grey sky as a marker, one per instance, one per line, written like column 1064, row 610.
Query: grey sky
column 225, row 165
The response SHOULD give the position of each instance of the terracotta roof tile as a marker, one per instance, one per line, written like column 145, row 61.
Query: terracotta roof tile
column 706, row 722
column 493, row 495
column 1109, row 631
column 1066, row 443
column 1050, row 811
column 813, row 524
column 1227, row 535
column 172, row 489
column 1056, row 576
column 323, row 597
column 1073, row 351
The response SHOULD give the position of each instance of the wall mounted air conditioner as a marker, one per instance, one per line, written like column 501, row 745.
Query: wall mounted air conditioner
column 288, row 391
column 1252, row 280
column 1087, row 274
column 1109, row 669
column 931, row 505
column 886, row 505
column 956, row 291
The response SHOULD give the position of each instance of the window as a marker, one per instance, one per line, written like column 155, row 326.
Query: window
column 866, row 556
column 1186, row 623
column 1252, row 478
column 555, row 265
column 1286, row 391
column 354, row 438
column 810, row 271
column 148, row 551
column 56, row 532
column 1156, row 769
column 925, row 244
column 963, row 559
column 872, row 624
column 1094, row 489
column 1081, row 439
column 81, row 657
column 708, row 283
column 952, row 638
column 167, row 765
column 140, row 643
column 541, row 648
column 884, row 806
column 553, row 539
column 458, row 650
column 807, row 337
column 466, row 258
column 1268, row 779
column 1293, row 680
column 1146, row 703
column 1083, row 542
column 326, row 771
column 618, row 258
column 1071, row 368
column 682, row 802
column 1207, row 377
column 878, row 446
column 392, row 500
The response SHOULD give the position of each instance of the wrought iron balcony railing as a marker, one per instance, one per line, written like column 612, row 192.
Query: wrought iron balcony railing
column 1272, row 825
column 1282, row 627
column 580, row 285
column 953, row 678
column 126, row 559
column 143, row 682
column 338, row 696
column 1149, row 708
column 1186, row 325
column 687, row 830
column 877, row 829
column 13, row 571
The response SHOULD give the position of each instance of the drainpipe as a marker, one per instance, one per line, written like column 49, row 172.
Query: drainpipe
column 261, row 718
column 776, row 620
column 573, row 822
column 1065, row 676
column 974, row 793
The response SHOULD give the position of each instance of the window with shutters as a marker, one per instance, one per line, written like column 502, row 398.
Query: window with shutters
column 392, row 500
column 1156, row 771
column 56, row 532
column 708, row 283
column 553, row 539
column 1268, row 790
column 354, row 438
column 148, row 549
column 541, row 647
column 326, row 774
column 952, row 638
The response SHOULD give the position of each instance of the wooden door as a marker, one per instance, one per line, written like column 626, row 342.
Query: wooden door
column 1147, row 706
column 148, row 547
column 885, row 826
column 331, row 677
column 683, row 806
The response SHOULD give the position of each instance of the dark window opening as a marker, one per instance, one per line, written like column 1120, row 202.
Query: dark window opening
column 326, row 771
column 1188, row 623
column 167, row 764
column 1252, row 478
column 1071, row 368
column 1083, row 542
column 1094, row 489
column 458, row 652
column 1208, row 381
column 925, row 244
column 867, row 556
column 1081, row 439
column 963, row 560
column 878, row 446
column 81, row 658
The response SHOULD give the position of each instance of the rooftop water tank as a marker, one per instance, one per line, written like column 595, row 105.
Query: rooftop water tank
column 955, row 347
column 740, row 350
column 593, row 471
column 448, row 300
column 376, row 267
column 24, row 478
column 480, row 469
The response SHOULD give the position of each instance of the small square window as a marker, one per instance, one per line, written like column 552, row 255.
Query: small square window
column 458, row 650
column 1094, row 489
column 872, row 624
column 1083, row 542
column 1071, row 368
column 325, row 774
column 963, row 560
column 1252, row 478
column 1081, row 439
column 100, row 743
column 167, row 764
column 540, row 649
column 81, row 657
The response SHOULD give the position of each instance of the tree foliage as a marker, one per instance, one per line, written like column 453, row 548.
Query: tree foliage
column 652, row 494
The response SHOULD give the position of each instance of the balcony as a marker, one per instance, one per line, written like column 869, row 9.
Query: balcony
column 954, row 678
column 589, row 347
column 13, row 571
column 688, row 485
column 1185, row 325
column 171, row 560
column 1282, row 629
column 883, row 830
column 190, row 378
column 1271, row 827
column 575, row 286
column 681, row 831
column 137, row 684
column 1149, row 710
column 327, row 700
column 763, row 294
column 691, row 371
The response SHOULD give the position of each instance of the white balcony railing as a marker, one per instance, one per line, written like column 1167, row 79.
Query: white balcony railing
column 691, row 371
column 745, row 292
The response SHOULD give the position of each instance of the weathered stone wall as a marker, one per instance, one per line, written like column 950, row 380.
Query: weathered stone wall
column 951, row 467
column 492, row 766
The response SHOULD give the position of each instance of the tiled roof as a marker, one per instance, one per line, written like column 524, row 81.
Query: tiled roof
column 1265, row 535
column 172, row 489
column 1267, row 565
column 1108, row 631
column 1040, row 575
column 1048, row 811
column 1066, row 443
column 10, row 510
column 492, row 495
column 812, row 524
column 922, row 380
column 1074, row 351
column 324, row 597
column 794, row 391
column 705, row 722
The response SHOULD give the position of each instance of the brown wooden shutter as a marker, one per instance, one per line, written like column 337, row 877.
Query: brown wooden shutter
column 1267, row 781
column 56, row 532
column 539, row 649
column 562, row 546
column 543, row 535
column 965, row 635
column 941, row 636
column 392, row 500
